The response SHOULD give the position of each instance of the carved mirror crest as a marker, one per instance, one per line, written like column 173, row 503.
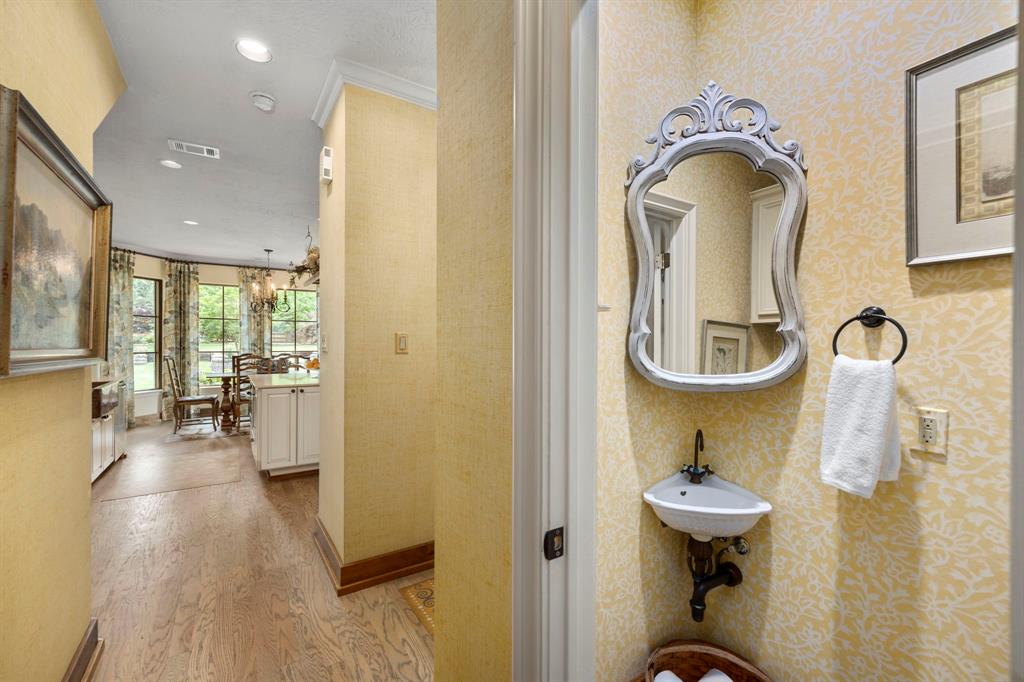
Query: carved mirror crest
column 716, row 306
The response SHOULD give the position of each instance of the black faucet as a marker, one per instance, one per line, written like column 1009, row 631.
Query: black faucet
column 695, row 471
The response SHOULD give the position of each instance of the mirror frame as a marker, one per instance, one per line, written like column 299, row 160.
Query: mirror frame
column 711, row 127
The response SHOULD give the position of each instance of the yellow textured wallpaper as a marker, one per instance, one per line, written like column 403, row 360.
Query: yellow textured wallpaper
column 378, row 237
column 59, row 55
column 390, row 286
column 912, row 584
column 473, row 619
column 331, row 497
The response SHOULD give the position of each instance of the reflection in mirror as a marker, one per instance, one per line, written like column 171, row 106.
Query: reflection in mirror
column 714, row 310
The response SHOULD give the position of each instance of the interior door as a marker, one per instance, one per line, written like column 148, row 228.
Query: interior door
column 309, row 426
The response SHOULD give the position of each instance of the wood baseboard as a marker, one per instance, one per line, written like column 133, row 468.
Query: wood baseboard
column 329, row 553
column 359, row 575
column 83, row 663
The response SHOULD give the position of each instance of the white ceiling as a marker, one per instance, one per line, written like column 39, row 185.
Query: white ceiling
column 186, row 81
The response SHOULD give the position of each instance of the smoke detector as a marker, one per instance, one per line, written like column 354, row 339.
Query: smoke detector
column 262, row 101
column 192, row 148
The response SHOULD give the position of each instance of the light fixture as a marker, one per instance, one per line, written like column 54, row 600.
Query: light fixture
column 264, row 294
column 190, row 222
column 253, row 50
column 167, row 163
column 262, row 101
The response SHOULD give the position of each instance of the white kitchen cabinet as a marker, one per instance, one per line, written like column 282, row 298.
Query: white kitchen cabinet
column 286, row 418
column 308, row 418
column 766, row 207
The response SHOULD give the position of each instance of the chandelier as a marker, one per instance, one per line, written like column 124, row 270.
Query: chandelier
column 264, row 294
column 309, row 267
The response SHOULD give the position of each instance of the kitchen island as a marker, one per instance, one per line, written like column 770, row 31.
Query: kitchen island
column 285, row 429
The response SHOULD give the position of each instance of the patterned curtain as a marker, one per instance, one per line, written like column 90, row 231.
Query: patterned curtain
column 255, row 326
column 119, row 327
column 181, row 329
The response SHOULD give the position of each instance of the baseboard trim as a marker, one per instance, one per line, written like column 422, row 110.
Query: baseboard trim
column 359, row 575
column 329, row 553
column 83, row 663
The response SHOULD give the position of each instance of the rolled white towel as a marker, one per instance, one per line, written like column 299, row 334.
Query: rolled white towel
column 667, row 676
column 715, row 675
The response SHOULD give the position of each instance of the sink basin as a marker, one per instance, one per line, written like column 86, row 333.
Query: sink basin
column 715, row 508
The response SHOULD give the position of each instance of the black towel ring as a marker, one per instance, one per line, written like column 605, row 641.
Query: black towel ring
column 871, row 317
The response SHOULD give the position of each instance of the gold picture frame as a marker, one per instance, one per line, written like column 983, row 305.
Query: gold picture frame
column 54, row 249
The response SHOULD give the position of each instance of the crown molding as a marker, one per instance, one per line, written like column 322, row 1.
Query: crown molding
column 343, row 71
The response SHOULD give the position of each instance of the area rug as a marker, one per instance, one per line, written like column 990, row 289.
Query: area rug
column 421, row 597
column 159, row 462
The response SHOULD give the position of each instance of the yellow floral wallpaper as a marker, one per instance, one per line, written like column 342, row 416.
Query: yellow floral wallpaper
column 912, row 584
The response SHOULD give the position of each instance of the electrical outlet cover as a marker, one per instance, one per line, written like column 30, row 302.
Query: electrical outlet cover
column 932, row 428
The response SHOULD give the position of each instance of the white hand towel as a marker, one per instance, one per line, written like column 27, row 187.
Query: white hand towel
column 860, row 440
column 715, row 675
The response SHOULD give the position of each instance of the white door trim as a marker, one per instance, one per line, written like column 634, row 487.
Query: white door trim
column 1017, row 454
column 679, row 315
column 554, row 336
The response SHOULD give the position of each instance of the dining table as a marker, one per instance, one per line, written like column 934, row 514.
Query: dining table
column 227, row 386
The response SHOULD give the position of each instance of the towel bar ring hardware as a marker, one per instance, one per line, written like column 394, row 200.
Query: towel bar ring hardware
column 871, row 317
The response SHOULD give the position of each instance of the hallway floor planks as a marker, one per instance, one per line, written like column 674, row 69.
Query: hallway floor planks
column 224, row 582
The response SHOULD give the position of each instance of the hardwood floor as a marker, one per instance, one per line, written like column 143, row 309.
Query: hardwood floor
column 224, row 582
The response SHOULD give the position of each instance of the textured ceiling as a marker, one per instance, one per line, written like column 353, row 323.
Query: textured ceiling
column 186, row 81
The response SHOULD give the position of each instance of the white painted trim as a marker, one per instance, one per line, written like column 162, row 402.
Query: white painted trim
column 681, row 319
column 344, row 71
column 1017, row 458
column 554, row 337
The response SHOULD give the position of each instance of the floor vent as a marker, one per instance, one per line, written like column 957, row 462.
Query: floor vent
column 192, row 148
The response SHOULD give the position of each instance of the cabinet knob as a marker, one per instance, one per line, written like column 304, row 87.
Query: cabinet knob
column 302, row 390
column 293, row 390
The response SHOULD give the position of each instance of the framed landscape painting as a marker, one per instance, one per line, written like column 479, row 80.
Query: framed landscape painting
column 54, row 248
column 961, row 115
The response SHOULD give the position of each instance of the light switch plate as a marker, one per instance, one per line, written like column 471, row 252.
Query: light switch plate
column 932, row 430
column 401, row 343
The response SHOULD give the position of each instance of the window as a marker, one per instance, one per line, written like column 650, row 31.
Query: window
column 297, row 330
column 219, row 329
column 146, row 333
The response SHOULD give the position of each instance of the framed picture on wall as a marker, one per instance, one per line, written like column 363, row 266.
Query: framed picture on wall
column 54, row 248
column 961, row 114
column 724, row 348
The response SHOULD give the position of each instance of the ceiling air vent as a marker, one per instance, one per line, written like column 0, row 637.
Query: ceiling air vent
column 192, row 148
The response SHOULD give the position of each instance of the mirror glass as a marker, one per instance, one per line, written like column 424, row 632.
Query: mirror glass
column 714, row 309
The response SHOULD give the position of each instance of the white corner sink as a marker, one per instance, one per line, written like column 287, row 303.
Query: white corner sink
column 714, row 508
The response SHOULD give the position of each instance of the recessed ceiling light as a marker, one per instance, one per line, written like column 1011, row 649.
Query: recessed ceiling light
column 262, row 101
column 253, row 50
column 190, row 222
column 167, row 163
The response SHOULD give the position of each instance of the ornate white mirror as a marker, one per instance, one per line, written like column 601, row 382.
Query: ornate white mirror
column 715, row 213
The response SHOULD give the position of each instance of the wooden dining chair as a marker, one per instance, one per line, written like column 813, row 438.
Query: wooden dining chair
column 286, row 361
column 244, row 365
column 183, row 404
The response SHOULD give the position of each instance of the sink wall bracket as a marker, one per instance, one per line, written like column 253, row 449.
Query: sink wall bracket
column 709, row 571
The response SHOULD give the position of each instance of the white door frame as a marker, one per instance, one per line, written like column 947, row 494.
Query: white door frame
column 554, row 336
column 675, row 332
column 1017, row 452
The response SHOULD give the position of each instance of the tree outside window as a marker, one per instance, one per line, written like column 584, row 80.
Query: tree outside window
column 298, row 330
column 146, row 333
column 219, row 329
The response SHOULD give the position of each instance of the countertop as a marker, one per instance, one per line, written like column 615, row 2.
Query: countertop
column 289, row 380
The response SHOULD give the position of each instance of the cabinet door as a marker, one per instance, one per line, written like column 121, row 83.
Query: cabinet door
column 309, row 425
column 97, row 447
column 277, row 416
column 766, row 208
column 107, row 438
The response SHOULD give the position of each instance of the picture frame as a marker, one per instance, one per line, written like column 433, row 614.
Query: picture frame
column 54, row 249
column 724, row 347
column 960, row 114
